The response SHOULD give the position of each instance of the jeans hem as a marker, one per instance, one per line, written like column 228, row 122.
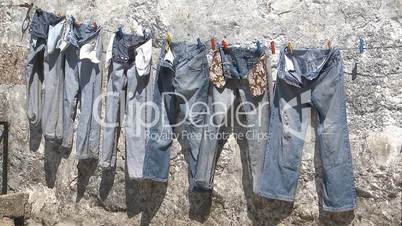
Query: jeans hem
column 277, row 197
column 203, row 186
column 339, row 209
column 82, row 157
column 164, row 180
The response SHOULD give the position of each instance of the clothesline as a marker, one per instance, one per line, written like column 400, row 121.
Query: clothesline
column 29, row 6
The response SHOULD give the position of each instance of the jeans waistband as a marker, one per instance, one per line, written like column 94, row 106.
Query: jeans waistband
column 238, row 61
column 306, row 63
column 124, row 46
column 78, row 35
column 40, row 23
column 186, row 50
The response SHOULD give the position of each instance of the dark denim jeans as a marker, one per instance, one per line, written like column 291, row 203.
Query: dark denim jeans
column 235, row 98
column 181, row 93
column 309, row 78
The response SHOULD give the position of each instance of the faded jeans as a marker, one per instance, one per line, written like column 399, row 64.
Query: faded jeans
column 181, row 93
column 82, row 84
column 37, row 67
column 127, row 93
column 309, row 78
column 231, row 102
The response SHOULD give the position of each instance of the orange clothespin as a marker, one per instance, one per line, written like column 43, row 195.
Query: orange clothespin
column 213, row 44
column 225, row 45
column 273, row 47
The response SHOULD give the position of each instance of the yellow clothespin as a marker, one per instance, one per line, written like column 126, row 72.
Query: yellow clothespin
column 290, row 47
column 168, row 40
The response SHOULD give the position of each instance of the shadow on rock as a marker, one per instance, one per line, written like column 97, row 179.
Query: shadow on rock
column 52, row 160
column 35, row 137
column 86, row 169
column 144, row 197
column 107, row 181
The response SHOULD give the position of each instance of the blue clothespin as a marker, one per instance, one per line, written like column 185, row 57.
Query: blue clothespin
column 199, row 43
column 258, row 44
column 361, row 44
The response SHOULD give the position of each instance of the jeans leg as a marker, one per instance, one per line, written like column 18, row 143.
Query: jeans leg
column 88, row 129
column 257, row 113
column 52, row 127
column 288, row 123
column 34, row 78
column 157, row 155
column 116, row 83
column 135, row 127
column 328, row 97
column 219, row 104
column 71, row 87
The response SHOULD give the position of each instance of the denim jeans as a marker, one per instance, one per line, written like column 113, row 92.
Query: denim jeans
column 35, row 68
column 309, row 78
column 82, row 83
column 235, row 99
column 181, row 93
column 126, row 85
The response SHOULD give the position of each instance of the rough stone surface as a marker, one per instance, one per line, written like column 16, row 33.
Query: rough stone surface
column 14, row 205
column 63, row 191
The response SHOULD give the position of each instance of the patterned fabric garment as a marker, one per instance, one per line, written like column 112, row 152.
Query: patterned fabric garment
column 215, row 70
column 257, row 77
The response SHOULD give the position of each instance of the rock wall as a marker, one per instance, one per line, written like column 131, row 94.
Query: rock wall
column 63, row 191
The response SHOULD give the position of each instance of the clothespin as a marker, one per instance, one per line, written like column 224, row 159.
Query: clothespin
column 94, row 24
column 168, row 40
column 290, row 47
column 328, row 44
column 199, row 43
column 272, row 47
column 258, row 47
column 225, row 45
column 361, row 44
column 213, row 44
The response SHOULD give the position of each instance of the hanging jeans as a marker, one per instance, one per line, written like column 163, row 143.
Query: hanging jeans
column 127, row 83
column 309, row 78
column 181, row 93
column 36, row 66
column 82, row 49
column 239, row 65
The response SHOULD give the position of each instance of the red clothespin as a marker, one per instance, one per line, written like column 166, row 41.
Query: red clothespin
column 94, row 24
column 225, row 45
column 273, row 47
column 213, row 44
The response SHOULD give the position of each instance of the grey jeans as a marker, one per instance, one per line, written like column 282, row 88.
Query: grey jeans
column 229, row 103
column 181, row 93
column 38, row 67
column 309, row 78
column 82, row 84
column 127, row 94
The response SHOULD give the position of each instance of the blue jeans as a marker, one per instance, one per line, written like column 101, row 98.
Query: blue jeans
column 181, row 93
column 235, row 95
column 309, row 78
